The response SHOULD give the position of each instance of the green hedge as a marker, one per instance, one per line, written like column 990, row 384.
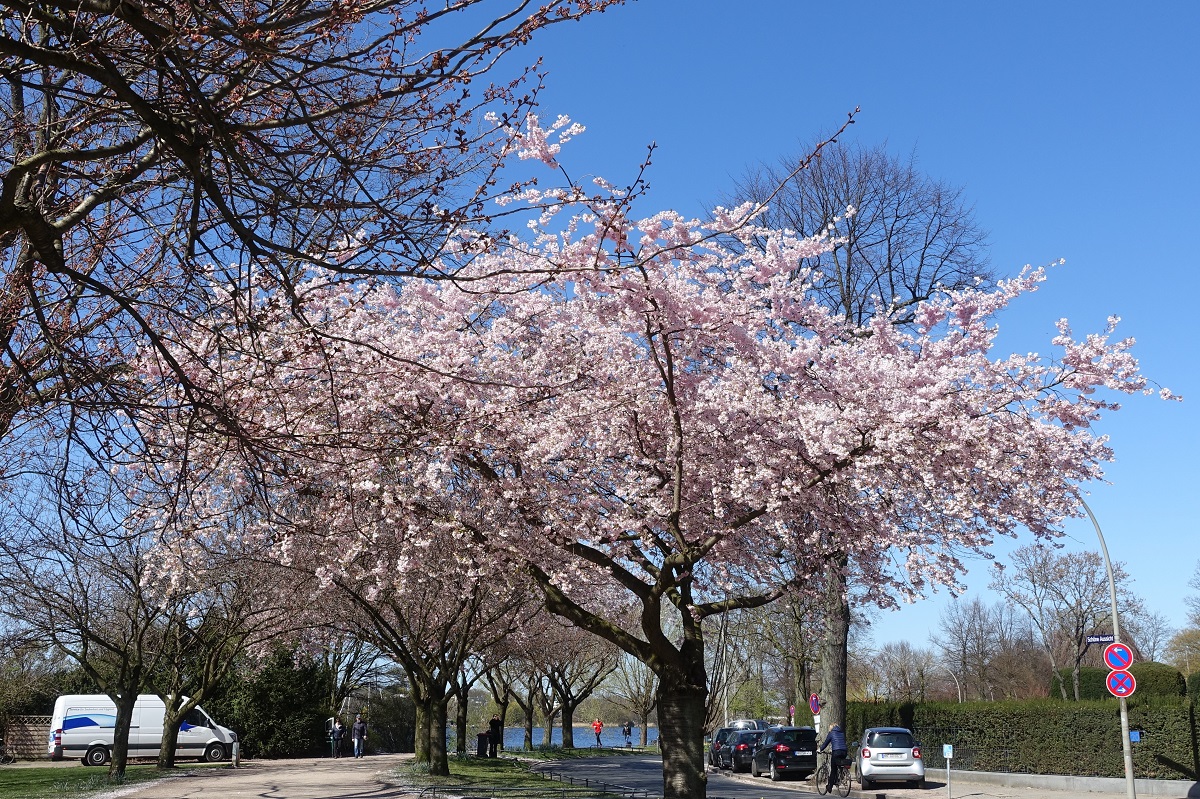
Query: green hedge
column 1046, row 736
column 1158, row 679
column 1193, row 685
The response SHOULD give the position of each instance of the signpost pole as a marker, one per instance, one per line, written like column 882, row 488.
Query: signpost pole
column 1127, row 750
column 948, row 753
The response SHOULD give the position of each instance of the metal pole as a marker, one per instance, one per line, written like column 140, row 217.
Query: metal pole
column 1126, row 749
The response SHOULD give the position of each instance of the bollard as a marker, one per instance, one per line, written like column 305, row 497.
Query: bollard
column 236, row 756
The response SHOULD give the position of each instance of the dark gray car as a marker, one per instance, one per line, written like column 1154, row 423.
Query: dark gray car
column 738, row 750
column 786, row 751
column 717, row 743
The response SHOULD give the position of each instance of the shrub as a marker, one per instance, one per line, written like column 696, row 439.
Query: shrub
column 1091, row 683
column 1158, row 679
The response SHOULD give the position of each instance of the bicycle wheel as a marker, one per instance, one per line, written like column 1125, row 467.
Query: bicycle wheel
column 822, row 779
column 8, row 756
column 844, row 781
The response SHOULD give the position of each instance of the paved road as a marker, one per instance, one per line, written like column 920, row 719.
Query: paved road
column 645, row 774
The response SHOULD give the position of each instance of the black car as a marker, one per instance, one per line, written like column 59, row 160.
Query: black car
column 784, row 751
column 739, row 748
column 718, row 742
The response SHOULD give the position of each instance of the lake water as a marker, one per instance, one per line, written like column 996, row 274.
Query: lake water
column 514, row 737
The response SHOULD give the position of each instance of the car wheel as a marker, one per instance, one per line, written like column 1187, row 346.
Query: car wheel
column 776, row 774
column 96, row 756
column 754, row 772
column 866, row 783
column 215, row 753
column 920, row 783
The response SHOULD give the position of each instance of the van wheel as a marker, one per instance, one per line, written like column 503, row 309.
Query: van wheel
column 215, row 753
column 96, row 756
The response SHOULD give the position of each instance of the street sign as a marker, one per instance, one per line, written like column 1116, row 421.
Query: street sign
column 814, row 704
column 1120, row 683
column 1101, row 639
column 1118, row 656
column 948, row 751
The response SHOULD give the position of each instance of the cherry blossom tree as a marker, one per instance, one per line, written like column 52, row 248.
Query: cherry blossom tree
column 146, row 142
column 647, row 421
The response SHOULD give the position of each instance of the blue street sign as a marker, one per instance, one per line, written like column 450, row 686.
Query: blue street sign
column 814, row 704
column 1118, row 656
column 1120, row 683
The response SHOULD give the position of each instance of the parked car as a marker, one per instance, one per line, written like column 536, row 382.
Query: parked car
column 785, row 751
column 738, row 749
column 718, row 741
column 890, row 754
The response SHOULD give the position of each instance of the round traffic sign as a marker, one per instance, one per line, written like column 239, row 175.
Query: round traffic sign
column 814, row 704
column 1118, row 656
column 1120, row 683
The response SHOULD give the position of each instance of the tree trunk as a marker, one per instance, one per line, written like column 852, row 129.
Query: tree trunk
column 439, row 761
column 121, row 728
column 568, row 726
column 460, row 723
column 681, row 738
column 834, row 662
column 423, row 729
column 170, row 741
column 548, row 730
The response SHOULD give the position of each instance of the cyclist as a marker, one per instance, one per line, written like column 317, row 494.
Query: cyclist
column 835, row 740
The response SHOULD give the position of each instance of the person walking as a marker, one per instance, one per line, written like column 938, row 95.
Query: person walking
column 335, row 735
column 495, row 734
column 627, row 731
column 358, row 731
column 597, row 727
column 836, row 742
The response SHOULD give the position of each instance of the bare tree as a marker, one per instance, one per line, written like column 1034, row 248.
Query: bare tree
column 577, row 664
column 1148, row 631
column 633, row 687
column 903, row 237
column 1067, row 598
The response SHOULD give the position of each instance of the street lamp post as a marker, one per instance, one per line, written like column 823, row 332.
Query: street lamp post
column 1112, row 590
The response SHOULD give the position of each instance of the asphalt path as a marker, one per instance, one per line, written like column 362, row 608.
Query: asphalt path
column 645, row 774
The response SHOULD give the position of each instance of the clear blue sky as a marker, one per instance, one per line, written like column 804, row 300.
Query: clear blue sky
column 1073, row 128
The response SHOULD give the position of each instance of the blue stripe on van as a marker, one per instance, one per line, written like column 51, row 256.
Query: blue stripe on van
column 89, row 720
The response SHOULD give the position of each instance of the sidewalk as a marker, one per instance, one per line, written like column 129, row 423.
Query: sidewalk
column 987, row 785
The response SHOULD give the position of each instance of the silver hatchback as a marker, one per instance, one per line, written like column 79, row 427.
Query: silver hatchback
column 890, row 754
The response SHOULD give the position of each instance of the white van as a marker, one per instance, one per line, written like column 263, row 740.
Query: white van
column 82, row 727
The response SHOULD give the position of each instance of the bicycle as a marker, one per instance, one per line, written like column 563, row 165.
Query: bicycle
column 8, row 753
column 844, row 776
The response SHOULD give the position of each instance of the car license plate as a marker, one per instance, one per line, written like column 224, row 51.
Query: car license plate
column 803, row 752
column 893, row 756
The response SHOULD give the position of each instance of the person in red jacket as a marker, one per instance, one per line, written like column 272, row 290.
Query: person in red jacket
column 597, row 727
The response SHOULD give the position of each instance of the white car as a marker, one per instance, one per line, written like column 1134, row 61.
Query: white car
column 890, row 754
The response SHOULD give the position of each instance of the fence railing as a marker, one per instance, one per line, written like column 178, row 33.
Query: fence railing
column 28, row 734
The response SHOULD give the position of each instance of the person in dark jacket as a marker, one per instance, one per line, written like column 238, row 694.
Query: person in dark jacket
column 358, row 731
column 835, row 741
column 495, row 734
column 335, row 735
